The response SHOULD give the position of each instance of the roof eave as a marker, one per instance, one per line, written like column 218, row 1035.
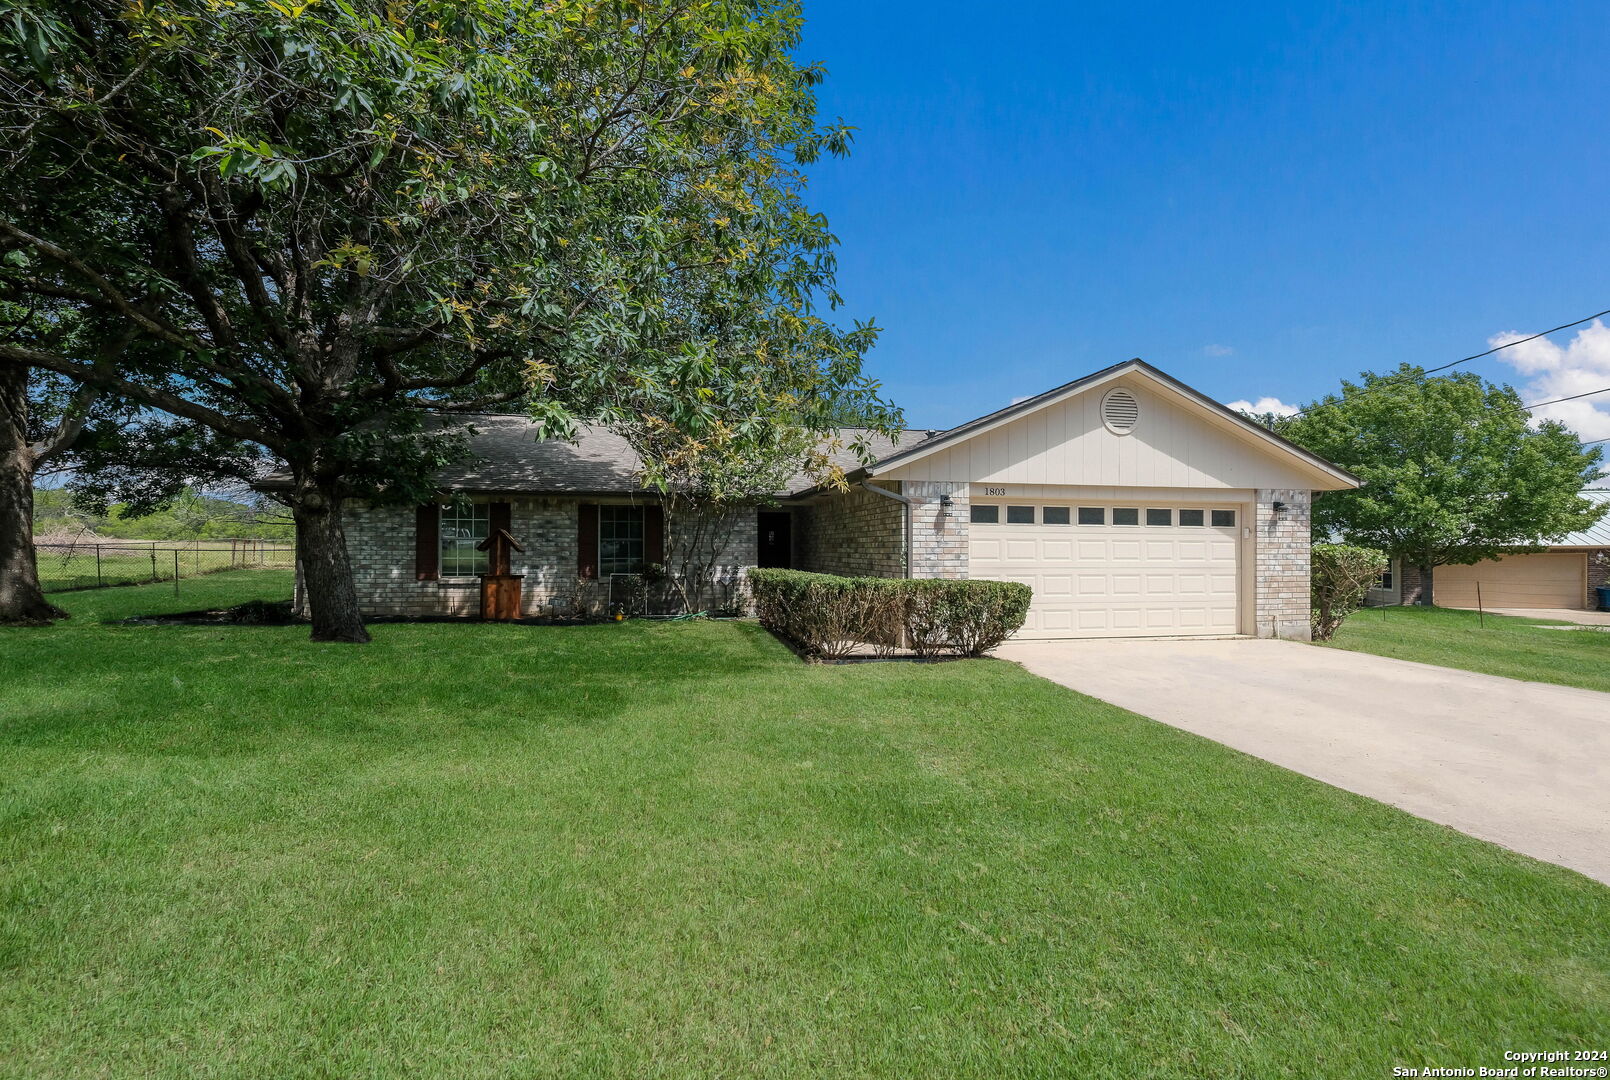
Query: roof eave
column 990, row 421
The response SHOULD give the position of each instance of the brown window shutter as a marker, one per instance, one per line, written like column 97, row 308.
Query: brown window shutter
column 427, row 541
column 587, row 540
column 654, row 535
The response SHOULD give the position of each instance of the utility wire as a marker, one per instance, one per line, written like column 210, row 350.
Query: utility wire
column 1476, row 356
column 1573, row 397
column 1517, row 341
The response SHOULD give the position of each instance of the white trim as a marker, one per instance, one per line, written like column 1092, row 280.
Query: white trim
column 1227, row 420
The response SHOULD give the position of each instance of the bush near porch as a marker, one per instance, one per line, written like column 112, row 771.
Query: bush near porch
column 829, row 616
column 672, row 850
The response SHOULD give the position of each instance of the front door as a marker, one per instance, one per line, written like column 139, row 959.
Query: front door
column 775, row 548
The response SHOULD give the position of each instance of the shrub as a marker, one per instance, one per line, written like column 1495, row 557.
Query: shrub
column 828, row 616
column 1341, row 575
column 971, row 617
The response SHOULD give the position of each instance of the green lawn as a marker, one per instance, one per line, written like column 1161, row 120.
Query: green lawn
column 1496, row 645
column 672, row 850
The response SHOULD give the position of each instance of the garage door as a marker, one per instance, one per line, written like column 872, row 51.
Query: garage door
column 1113, row 569
column 1543, row 580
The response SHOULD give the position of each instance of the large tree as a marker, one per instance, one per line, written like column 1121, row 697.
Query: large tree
column 106, row 450
column 320, row 220
column 39, row 424
column 1454, row 470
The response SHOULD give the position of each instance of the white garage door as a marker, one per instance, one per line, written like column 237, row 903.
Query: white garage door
column 1113, row 569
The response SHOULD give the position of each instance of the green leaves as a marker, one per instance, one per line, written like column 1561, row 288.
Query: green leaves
column 1454, row 472
column 269, row 165
column 347, row 212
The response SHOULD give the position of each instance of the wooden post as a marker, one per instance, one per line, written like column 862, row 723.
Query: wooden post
column 175, row 571
column 500, row 590
column 1481, row 616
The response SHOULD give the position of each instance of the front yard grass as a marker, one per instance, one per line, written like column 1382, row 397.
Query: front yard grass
column 1507, row 646
column 671, row 850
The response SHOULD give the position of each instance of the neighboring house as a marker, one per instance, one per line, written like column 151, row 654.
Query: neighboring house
column 1132, row 504
column 1564, row 576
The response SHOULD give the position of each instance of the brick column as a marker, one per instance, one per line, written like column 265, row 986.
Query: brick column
column 1281, row 583
column 938, row 532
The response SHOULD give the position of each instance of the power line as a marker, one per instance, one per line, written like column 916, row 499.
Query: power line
column 1573, row 397
column 1467, row 359
column 1517, row 341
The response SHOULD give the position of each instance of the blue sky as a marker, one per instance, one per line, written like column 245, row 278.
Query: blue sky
column 1260, row 199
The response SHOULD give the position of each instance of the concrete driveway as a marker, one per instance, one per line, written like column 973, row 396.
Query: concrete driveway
column 1525, row 765
column 1574, row 616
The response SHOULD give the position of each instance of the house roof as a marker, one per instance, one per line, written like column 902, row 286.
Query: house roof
column 990, row 421
column 508, row 456
column 1595, row 535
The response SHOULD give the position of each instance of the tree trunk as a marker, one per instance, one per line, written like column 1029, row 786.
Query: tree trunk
column 1426, row 599
column 21, row 599
column 332, row 596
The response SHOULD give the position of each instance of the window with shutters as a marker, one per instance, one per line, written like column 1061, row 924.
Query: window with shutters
column 464, row 526
column 620, row 540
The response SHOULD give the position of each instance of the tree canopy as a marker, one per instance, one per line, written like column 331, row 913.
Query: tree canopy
column 305, row 224
column 1454, row 470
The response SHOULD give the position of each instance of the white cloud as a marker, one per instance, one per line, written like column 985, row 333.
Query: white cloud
column 1217, row 350
column 1263, row 405
column 1025, row 397
column 1555, row 371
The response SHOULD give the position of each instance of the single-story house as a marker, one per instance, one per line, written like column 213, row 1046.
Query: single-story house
column 1131, row 503
column 1563, row 576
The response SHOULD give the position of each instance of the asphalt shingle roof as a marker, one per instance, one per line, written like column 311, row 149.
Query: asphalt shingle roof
column 508, row 457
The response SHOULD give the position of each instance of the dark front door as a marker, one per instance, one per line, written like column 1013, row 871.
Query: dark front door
column 775, row 547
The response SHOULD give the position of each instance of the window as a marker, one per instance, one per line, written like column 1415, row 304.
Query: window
column 1159, row 516
column 1020, row 515
column 1125, row 515
column 1385, row 580
column 620, row 540
column 1053, row 515
column 1092, row 515
column 985, row 514
column 463, row 526
column 1191, row 517
column 1224, row 519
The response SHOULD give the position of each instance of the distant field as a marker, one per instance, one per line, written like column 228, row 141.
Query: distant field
column 89, row 564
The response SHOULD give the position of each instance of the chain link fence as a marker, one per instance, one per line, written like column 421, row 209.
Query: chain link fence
column 94, row 564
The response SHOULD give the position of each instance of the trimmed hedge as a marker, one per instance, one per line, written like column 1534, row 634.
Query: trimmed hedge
column 829, row 616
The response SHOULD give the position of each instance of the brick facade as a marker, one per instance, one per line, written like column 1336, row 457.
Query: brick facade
column 862, row 533
column 857, row 534
column 380, row 543
column 1281, row 575
column 938, row 532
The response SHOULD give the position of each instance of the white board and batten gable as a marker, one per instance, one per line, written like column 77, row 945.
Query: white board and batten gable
column 1170, row 437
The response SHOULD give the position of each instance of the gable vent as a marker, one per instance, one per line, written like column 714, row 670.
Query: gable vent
column 1120, row 411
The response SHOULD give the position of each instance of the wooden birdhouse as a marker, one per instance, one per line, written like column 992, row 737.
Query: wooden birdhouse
column 500, row 590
